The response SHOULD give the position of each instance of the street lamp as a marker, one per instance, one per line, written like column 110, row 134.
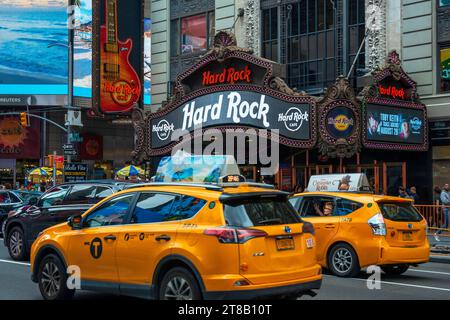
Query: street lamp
column 70, row 93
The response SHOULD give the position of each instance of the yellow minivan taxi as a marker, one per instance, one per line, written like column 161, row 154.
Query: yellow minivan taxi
column 183, row 241
column 356, row 230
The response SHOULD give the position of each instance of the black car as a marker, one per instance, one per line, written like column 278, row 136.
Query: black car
column 9, row 201
column 55, row 206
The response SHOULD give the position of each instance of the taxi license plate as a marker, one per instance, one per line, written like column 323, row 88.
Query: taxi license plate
column 407, row 236
column 285, row 244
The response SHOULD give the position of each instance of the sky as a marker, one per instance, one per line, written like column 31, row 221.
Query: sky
column 33, row 3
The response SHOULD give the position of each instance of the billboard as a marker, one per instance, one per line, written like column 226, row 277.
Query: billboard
column 121, row 48
column 394, row 124
column 82, row 61
column 18, row 142
column 147, row 61
column 33, row 70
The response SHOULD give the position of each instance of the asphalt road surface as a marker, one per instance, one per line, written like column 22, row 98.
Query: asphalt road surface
column 428, row 281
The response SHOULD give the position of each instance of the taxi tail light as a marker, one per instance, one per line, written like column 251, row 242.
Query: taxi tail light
column 234, row 235
column 308, row 227
column 377, row 224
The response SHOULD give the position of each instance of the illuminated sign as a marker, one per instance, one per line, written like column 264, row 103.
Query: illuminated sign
column 340, row 122
column 120, row 56
column 392, row 92
column 83, row 50
column 34, row 59
column 394, row 124
column 228, row 76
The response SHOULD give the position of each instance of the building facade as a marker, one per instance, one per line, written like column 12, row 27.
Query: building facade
column 316, row 41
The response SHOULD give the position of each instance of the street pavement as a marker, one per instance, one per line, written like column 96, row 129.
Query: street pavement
column 428, row 281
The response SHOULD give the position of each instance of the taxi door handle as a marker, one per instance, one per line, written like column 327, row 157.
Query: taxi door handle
column 162, row 237
column 110, row 237
column 330, row 226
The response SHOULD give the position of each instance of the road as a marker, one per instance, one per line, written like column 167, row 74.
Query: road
column 428, row 281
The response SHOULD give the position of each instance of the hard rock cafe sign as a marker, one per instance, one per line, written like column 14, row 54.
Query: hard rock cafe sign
column 229, row 88
column 339, row 121
column 19, row 142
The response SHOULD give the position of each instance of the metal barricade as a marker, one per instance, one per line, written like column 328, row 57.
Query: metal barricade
column 434, row 214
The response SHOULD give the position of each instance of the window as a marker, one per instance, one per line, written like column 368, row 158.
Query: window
column 270, row 34
column 14, row 198
column 54, row 197
column 80, row 194
column 296, row 202
column 186, row 207
column 153, row 207
column 443, row 3
column 399, row 211
column 444, row 58
column 4, row 198
column 317, row 207
column 345, row 207
column 193, row 34
column 310, row 39
column 255, row 212
column 102, row 193
column 113, row 212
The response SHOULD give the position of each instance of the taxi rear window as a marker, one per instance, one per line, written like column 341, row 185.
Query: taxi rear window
column 253, row 212
column 399, row 211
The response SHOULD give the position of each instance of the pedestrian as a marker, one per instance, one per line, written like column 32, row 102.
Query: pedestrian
column 445, row 200
column 298, row 189
column 437, row 195
column 413, row 194
column 402, row 193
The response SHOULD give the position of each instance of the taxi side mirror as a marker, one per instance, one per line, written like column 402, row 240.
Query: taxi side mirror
column 75, row 222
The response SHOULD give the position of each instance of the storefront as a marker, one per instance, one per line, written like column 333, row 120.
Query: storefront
column 230, row 93
column 229, row 88
column 383, row 133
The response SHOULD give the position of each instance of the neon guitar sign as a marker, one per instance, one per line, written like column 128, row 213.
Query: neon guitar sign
column 120, row 86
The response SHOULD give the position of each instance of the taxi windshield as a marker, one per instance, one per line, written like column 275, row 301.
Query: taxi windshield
column 254, row 212
column 399, row 211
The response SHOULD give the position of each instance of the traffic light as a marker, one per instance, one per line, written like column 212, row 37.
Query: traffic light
column 24, row 119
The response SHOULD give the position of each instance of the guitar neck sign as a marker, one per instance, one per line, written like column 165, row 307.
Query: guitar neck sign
column 233, row 108
column 120, row 56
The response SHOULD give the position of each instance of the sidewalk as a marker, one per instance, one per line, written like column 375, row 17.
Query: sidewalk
column 440, row 250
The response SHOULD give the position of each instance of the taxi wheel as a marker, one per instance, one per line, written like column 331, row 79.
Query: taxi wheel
column 16, row 244
column 179, row 284
column 395, row 270
column 343, row 261
column 52, row 279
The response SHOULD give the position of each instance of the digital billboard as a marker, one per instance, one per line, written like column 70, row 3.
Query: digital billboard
column 82, row 85
column 147, row 61
column 394, row 124
column 32, row 63
column 121, row 56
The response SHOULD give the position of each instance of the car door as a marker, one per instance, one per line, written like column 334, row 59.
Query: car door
column 326, row 227
column 151, row 233
column 43, row 216
column 78, row 200
column 93, row 248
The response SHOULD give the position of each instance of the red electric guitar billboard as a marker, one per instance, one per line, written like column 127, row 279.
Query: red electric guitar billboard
column 120, row 84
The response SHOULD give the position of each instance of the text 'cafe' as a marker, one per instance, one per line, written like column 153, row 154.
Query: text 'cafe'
column 340, row 132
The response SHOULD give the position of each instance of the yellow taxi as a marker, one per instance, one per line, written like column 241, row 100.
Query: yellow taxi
column 182, row 241
column 355, row 229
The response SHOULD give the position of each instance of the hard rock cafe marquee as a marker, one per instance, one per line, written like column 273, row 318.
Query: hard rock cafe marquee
column 230, row 88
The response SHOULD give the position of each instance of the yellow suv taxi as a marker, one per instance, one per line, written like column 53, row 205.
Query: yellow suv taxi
column 182, row 241
column 356, row 229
